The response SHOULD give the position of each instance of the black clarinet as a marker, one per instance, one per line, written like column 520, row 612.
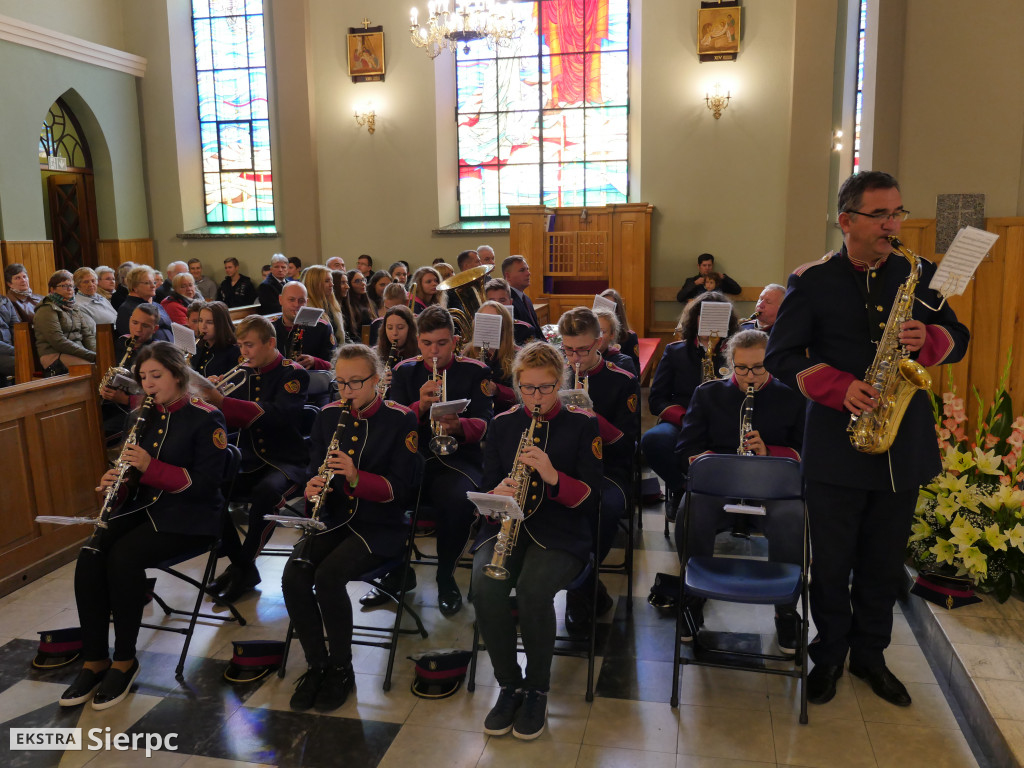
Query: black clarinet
column 127, row 475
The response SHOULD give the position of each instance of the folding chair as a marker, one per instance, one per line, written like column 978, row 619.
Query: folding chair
column 634, row 510
column 234, row 458
column 754, row 480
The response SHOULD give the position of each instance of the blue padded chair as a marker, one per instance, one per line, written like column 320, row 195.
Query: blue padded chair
column 777, row 484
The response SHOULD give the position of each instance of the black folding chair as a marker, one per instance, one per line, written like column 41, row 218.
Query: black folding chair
column 234, row 458
column 775, row 483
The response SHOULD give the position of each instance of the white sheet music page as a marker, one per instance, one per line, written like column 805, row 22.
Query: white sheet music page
column 962, row 258
column 184, row 338
column 307, row 317
column 600, row 302
column 493, row 505
column 714, row 318
column 486, row 330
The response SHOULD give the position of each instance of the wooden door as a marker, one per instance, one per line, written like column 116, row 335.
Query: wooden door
column 72, row 219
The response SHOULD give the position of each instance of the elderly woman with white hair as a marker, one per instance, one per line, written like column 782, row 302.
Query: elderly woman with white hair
column 142, row 285
column 183, row 293
column 62, row 330
column 88, row 297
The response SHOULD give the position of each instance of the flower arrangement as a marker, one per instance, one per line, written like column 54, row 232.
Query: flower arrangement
column 969, row 520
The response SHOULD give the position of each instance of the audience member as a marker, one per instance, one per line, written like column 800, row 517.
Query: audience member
column 89, row 299
column 20, row 292
column 206, row 287
column 294, row 271
column 236, row 289
column 173, row 269
column 141, row 283
column 486, row 254
column 365, row 265
column 8, row 317
column 183, row 293
column 62, row 330
column 319, row 283
column 106, row 280
column 336, row 264
column 516, row 272
column 695, row 286
column 270, row 288
column 121, row 291
column 375, row 292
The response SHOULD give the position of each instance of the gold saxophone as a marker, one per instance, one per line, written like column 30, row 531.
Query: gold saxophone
column 118, row 370
column 509, row 531
column 707, row 369
column 896, row 377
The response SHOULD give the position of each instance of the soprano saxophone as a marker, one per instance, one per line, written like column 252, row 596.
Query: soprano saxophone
column 509, row 531
column 896, row 377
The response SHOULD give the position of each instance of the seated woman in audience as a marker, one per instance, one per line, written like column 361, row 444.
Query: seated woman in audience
column 425, row 280
column 363, row 509
column 142, row 284
column 121, row 291
column 341, row 289
column 394, row 295
column 61, row 328
column 554, row 541
column 89, row 299
column 375, row 290
column 173, row 506
column 106, row 281
column 677, row 376
column 610, row 351
column 192, row 317
column 217, row 351
column 183, row 293
column 319, row 284
column 20, row 292
column 399, row 273
column 358, row 302
column 629, row 343
column 499, row 359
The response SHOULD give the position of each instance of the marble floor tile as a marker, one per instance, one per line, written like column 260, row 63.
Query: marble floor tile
column 640, row 725
column 979, row 631
column 1004, row 698
column 929, row 706
column 735, row 734
column 1013, row 732
column 119, row 719
column 158, row 759
column 609, row 757
column 734, row 689
column 909, row 664
column 911, row 746
column 902, row 634
column 418, row 745
column 784, row 697
column 622, row 677
column 199, row 761
column 821, row 743
column 985, row 662
column 26, row 696
column 697, row 761
column 510, row 752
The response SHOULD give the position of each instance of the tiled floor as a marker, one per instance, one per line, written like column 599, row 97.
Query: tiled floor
column 725, row 718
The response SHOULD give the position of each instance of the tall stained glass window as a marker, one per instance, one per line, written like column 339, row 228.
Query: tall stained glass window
column 858, row 107
column 231, row 75
column 545, row 121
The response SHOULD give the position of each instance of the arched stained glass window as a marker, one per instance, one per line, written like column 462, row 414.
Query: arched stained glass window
column 545, row 121
column 234, row 124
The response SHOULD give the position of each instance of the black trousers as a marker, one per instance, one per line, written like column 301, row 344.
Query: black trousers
column 113, row 582
column 267, row 489
column 317, row 598
column 444, row 490
column 864, row 533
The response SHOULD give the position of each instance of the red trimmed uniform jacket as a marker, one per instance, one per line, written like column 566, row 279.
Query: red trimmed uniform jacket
column 677, row 376
column 316, row 341
column 821, row 341
column 180, row 491
column 215, row 361
column 615, row 394
column 556, row 517
column 382, row 440
column 712, row 425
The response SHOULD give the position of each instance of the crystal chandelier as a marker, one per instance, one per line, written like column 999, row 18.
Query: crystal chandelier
column 470, row 20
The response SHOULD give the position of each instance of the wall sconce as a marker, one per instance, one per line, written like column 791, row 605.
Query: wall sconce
column 716, row 101
column 366, row 117
column 837, row 145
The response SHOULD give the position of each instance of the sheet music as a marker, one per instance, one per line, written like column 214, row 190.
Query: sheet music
column 962, row 258
column 493, row 505
column 486, row 330
column 184, row 338
column 600, row 302
column 437, row 410
column 714, row 318
column 307, row 317
column 745, row 509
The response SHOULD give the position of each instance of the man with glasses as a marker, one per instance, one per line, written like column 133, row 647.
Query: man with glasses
column 615, row 394
column 712, row 425
column 446, row 479
column 860, row 505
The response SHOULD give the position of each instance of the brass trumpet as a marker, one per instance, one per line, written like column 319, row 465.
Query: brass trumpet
column 441, row 443
column 233, row 379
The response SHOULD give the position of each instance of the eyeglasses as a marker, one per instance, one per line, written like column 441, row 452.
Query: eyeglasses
column 900, row 214
column 357, row 281
column 354, row 384
column 544, row 389
column 757, row 370
column 65, row 286
column 579, row 351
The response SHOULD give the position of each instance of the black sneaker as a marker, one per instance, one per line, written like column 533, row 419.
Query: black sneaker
column 83, row 688
column 306, row 689
column 335, row 688
column 499, row 720
column 532, row 716
column 115, row 686
column 694, row 606
column 787, row 629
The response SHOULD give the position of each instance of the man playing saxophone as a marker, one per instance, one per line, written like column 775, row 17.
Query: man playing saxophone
column 860, row 504
column 554, row 540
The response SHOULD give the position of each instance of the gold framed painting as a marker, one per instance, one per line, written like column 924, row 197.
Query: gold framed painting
column 366, row 54
column 718, row 32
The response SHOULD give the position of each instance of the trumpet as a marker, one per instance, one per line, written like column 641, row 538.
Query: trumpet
column 442, row 444
column 509, row 532
column 746, row 420
column 233, row 379
column 118, row 370
column 385, row 380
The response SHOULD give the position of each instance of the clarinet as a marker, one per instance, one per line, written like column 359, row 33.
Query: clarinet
column 746, row 420
column 384, row 384
column 125, row 474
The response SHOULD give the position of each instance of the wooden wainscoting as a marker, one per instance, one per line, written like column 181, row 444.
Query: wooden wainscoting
column 113, row 253
column 52, row 450
column 36, row 255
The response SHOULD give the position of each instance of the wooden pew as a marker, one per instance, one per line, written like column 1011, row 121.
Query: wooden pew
column 237, row 313
column 235, row 321
column 24, row 353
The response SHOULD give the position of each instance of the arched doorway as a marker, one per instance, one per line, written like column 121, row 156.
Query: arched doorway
column 69, row 193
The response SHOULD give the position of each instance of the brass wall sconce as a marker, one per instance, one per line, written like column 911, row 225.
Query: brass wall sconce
column 368, row 118
column 716, row 101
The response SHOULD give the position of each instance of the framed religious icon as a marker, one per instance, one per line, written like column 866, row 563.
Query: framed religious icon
column 366, row 54
column 718, row 31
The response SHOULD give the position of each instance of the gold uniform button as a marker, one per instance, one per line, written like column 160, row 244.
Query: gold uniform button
column 879, row 308
column 881, row 325
column 261, row 439
column 533, row 498
column 536, row 440
column 159, row 431
column 355, row 423
column 156, row 445
column 355, row 439
column 351, row 452
column 534, row 483
column 162, row 417
column 873, row 274
column 256, row 399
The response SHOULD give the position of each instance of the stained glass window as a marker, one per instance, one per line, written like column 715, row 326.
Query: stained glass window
column 859, row 104
column 234, row 125
column 545, row 120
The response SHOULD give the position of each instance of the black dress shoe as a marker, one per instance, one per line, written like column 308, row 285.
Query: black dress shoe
column 241, row 583
column 577, row 611
column 220, row 583
column 375, row 598
column 115, row 686
column 83, row 688
column 884, row 683
column 672, row 501
column 821, row 682
column 449, row 600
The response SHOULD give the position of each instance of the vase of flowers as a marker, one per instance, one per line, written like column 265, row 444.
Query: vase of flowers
column 969, row 520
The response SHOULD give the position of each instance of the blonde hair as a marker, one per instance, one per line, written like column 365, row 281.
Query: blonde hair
column 613, row 324
column 507, row 348
column 539, row 354
column 318, row 296
column 417, row 278
column 137, row 275
column 578, row 321
column 256, row 324
column 359, row 352
column 83, row 272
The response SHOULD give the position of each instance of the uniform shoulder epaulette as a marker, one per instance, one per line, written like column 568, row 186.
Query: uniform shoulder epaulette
column 615, row 369
column 201, row 404
column 584, row 411
column 409, row 361
column 509, row 412
column 804, row 267
column 397, row 407
column 474, row 361
column 675, row 343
